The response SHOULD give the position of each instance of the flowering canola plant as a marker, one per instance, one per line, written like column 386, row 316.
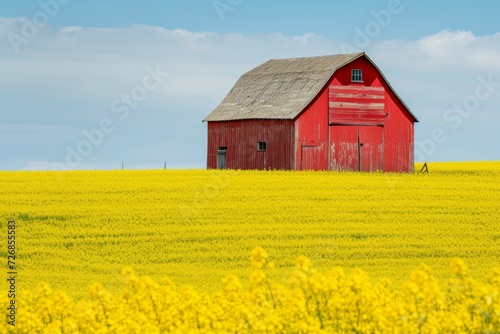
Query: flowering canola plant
column 311, row 302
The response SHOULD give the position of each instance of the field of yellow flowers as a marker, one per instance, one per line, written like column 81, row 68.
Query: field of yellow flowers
column 198, row 226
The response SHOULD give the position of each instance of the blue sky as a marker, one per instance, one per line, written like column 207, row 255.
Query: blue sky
column 330, row 18
column 65, row 81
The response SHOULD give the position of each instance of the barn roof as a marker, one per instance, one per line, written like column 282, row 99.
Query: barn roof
column 280, row 88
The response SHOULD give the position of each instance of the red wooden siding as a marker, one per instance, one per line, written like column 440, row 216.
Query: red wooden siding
column 241, row 138
column 356, row 105
column 399, row 136
column 311, row 135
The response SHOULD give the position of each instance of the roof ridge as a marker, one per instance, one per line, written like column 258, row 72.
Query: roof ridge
column 323, row 56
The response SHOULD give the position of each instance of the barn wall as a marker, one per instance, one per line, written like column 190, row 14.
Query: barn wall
column 241, row 138
column 399, row 137
column 311, row 134
column 398, row 132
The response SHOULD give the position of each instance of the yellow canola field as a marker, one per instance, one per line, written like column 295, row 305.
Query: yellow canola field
column 198, row 226
column 312, row 302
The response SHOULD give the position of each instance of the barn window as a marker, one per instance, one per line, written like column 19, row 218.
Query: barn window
column 357, row 75
column 261, row 146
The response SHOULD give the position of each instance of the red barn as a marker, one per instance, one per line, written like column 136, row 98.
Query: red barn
column 316, row 113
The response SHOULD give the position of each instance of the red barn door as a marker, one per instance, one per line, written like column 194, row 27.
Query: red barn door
column 344, row 148
column 311, row 157
column 371, row 147
column 356, row 148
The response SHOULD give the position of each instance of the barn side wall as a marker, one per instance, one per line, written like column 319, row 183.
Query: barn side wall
column 241, row 139
column 399, row 137
column 311, row 135
column 398, row 134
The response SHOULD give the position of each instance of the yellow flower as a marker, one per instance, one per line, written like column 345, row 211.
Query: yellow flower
column 258, row 257
column 257, row 277
column 303, row 263
column 458, row 267
column 231, row 284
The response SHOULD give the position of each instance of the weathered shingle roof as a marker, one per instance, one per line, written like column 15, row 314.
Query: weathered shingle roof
column 279, row 88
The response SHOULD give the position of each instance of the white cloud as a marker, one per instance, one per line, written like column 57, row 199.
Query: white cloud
column 37, row 165
column 446, row 43
column 76, row 73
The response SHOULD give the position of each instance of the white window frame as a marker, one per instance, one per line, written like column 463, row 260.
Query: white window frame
column 357, row 75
